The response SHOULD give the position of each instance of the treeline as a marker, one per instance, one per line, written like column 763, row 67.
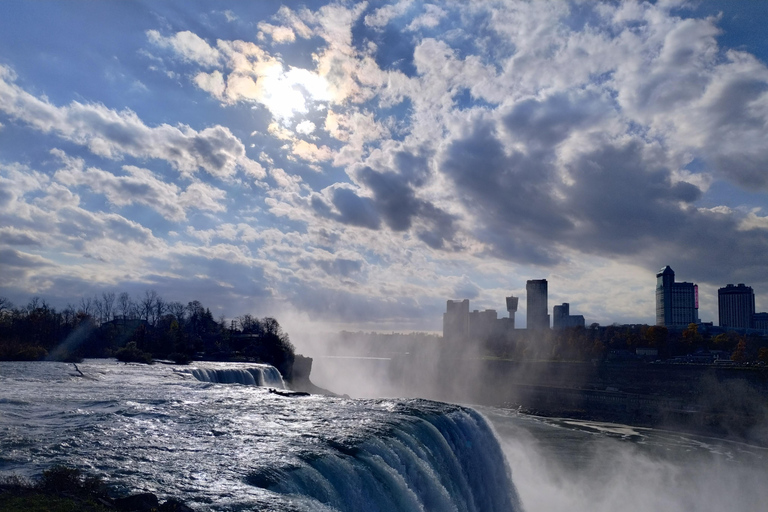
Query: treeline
column 615, row 341
column 138, row 329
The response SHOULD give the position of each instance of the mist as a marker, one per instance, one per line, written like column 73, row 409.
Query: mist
column 557, row 465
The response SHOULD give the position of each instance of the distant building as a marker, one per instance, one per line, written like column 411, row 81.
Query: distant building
column 482, row 324
column 760, row 321
column 562, row 317
column 536, row 295
column 456, row 321
column 511, row 309
column 736, row 306
column 677, row 304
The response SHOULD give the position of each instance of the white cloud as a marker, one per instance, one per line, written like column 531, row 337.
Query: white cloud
column 305, row 127
column 754, row 221
column 311, row 152
column 383, row 15
column 188, row 45
column 279, row 34
column 431, row 18
column 114, row 134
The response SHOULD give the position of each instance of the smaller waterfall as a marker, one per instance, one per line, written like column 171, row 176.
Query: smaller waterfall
column 252, row 375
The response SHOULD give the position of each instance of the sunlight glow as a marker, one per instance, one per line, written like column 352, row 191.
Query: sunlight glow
column 288, row 93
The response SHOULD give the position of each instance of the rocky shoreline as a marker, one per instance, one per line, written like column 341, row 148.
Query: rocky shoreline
column 65, row 489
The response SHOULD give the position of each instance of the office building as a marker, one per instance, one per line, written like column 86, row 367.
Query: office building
column 562, row 317
column 482, row 324
column 536, row 295
column 677, row 304
column 456, row 321
column 736, row 306
column 760, row 321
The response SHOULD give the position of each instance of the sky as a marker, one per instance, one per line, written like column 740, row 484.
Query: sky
column 353, row 165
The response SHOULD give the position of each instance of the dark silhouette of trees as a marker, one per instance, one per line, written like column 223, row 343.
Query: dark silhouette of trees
column 139, row 329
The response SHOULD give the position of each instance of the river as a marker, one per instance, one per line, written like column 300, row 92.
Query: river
column 207, row 434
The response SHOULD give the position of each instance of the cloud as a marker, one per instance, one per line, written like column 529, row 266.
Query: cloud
column 277, row 33
column 140, row 186
column 112, row 134
column 430, row 19
column 383, row 15
column 188, row 45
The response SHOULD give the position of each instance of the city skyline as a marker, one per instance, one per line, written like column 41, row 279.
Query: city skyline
column 349, row 165
column 677, row 305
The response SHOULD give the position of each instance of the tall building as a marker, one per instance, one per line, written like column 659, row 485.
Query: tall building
column 736, row 306
column 456, row 321
column 760, row 321
column 536, row 295
column 482, row 324
column 677, row 304
column 562, row 317
column 512, row 309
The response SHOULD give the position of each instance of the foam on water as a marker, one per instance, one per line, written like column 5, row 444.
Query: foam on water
column 228, row 447
column 250, row 375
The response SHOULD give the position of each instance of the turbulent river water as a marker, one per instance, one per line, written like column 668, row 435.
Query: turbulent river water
column 215, row 436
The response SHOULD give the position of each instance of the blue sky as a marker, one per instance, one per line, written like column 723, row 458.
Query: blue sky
column 353, row 165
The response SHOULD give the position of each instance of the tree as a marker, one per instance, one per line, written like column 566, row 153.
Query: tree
column 108, row 305
column 125, row 305
column 740, row 354
column 5, row 304
column 691, row 335
column 656, row 336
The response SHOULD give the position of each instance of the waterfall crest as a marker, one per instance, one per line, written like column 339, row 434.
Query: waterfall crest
column 432, row 463
column 252, row 375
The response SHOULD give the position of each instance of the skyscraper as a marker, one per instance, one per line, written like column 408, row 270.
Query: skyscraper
column 456, row 321
column 562, row 317
column 677, row 304
column 736, row 306
column 536, row 296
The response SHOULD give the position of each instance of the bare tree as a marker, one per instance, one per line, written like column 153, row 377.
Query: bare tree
column 5, row 304
column 86, row 306
column 108, row 302
column 98, row 310
column 177, row 309
column 125, row 305
column 148, row 306
column 160, row 307
column 69, row 314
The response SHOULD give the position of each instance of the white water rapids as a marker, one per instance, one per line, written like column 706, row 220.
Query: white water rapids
column 207, row 435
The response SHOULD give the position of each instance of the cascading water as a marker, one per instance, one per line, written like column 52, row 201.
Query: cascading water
column 157, row 429
column 252, row 375
column 446, row 461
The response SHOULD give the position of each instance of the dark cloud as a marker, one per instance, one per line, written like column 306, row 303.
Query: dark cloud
column 21, row 260
column 546, row 123
column 18, row 238
column 395, row 200
column 340, row 267
column 355, row 210
column 618, row 203
column 510, row 196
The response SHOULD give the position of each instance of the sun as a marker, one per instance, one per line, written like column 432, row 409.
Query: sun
column 287, row 93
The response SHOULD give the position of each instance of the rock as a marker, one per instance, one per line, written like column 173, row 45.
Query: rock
column 143, row 502
column 173, row 505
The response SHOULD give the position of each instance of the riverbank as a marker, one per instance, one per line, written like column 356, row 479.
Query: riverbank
column 64, row 489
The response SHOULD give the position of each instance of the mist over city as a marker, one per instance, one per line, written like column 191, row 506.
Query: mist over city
column 348, row 240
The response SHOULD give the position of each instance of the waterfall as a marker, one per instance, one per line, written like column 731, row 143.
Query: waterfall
column 448, row 462
column 253, row 375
